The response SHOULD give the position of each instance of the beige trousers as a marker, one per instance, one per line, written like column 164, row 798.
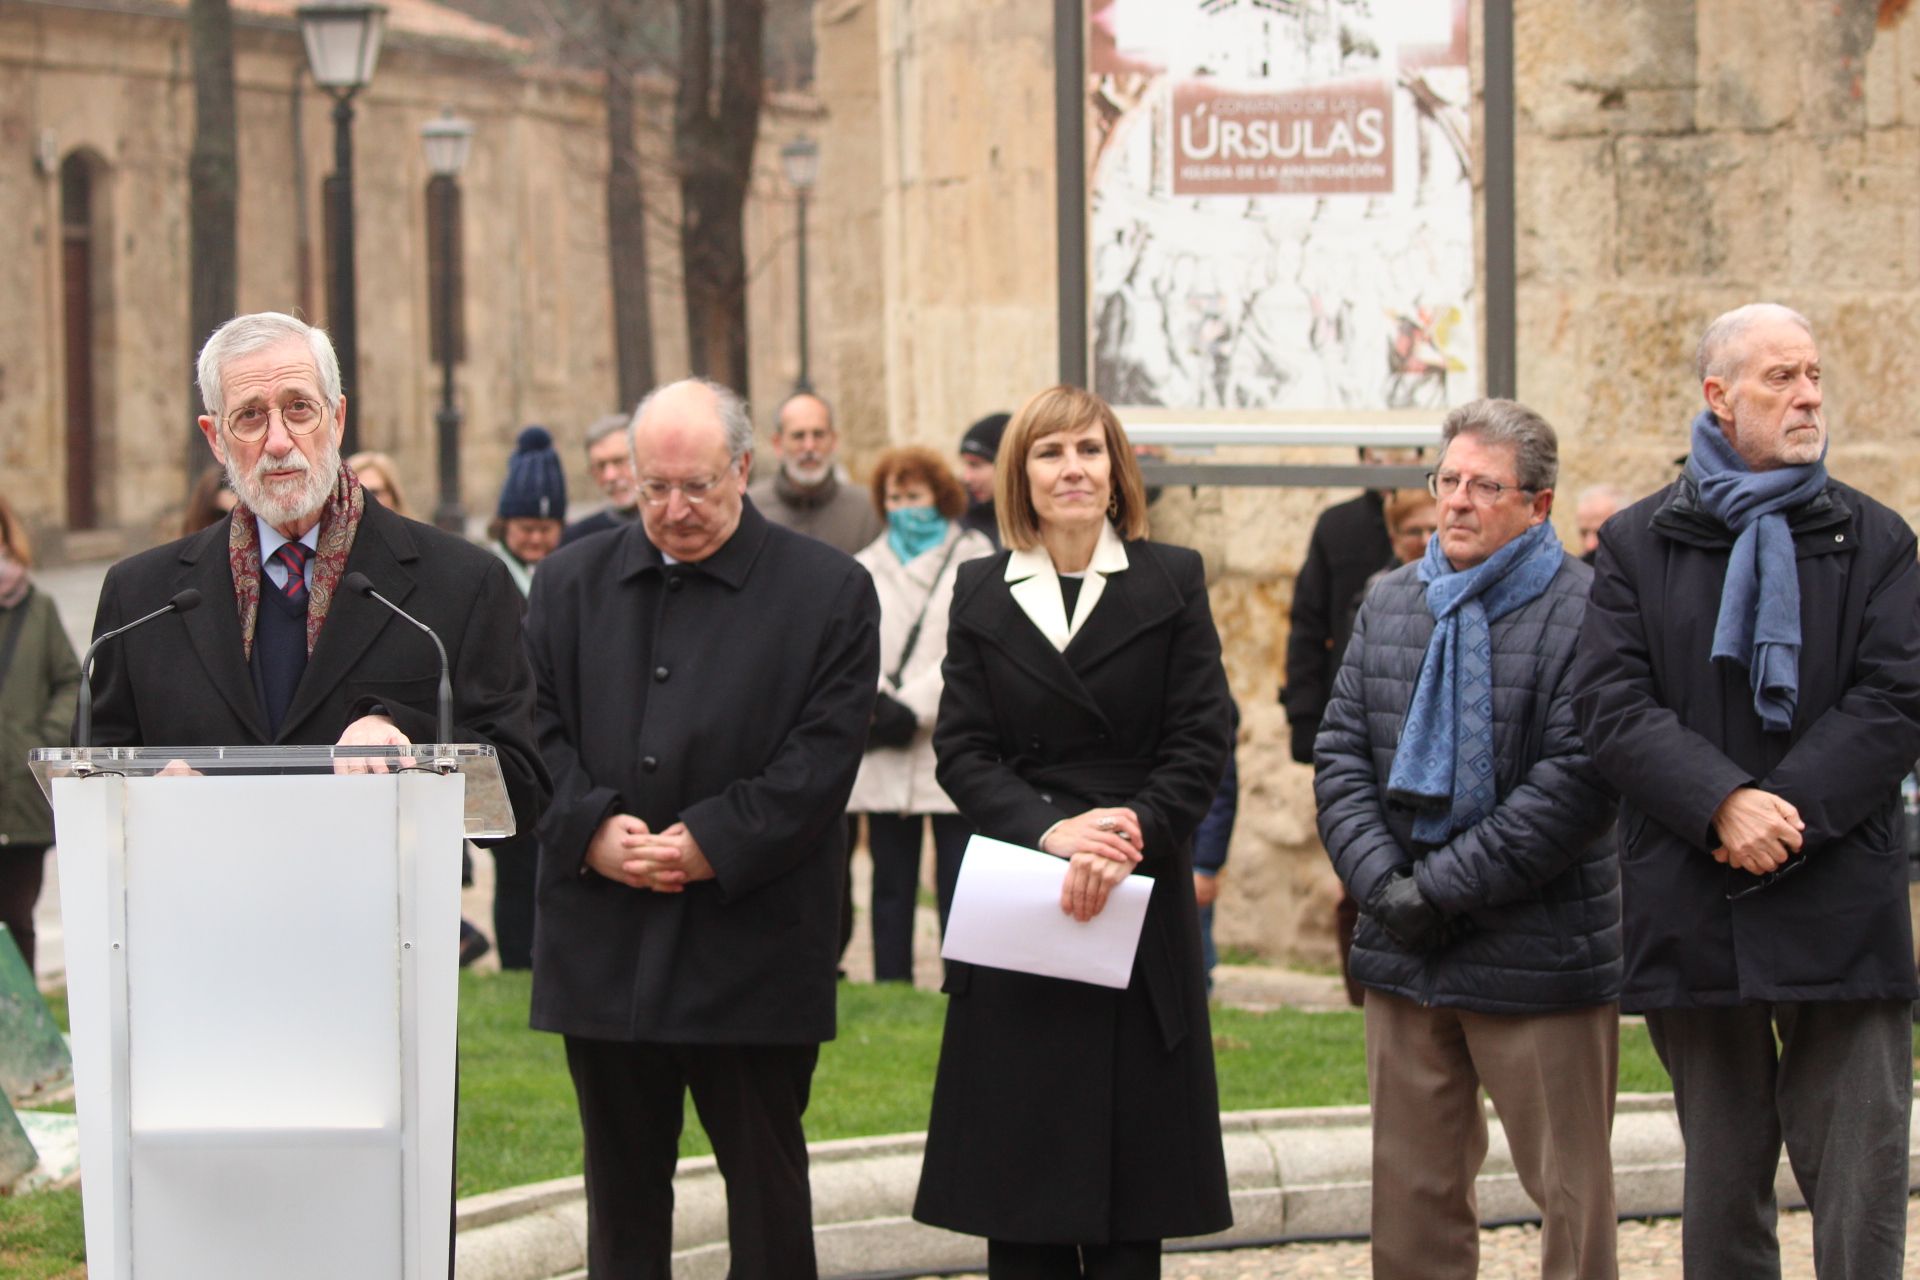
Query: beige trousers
column 1552, row 1079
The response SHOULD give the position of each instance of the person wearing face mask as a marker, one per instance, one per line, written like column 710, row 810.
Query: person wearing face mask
column 39, row 677
column 1085, row 714
column 913, row 564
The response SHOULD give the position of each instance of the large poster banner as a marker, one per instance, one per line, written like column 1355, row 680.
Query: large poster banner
column 1280, row 204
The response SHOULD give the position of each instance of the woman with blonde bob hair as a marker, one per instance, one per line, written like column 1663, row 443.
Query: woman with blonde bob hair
column 1085, row 714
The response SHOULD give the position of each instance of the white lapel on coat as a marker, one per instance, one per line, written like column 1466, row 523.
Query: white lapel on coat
column 1035, row 586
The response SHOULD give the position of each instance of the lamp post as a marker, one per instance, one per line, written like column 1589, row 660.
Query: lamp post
column 343, row 44
column 800, row 159
column 447, row 141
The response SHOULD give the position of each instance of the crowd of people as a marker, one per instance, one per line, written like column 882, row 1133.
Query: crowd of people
column 1657, row 776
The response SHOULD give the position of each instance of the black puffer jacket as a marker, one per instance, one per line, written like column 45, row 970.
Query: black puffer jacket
column 1538, row 879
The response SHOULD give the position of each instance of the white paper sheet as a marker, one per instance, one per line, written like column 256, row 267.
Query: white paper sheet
column 1006, row 914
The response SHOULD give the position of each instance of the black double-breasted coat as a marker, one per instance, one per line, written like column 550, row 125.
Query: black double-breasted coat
column 1063, row 1111
column 1676, row 732
column 184, row 681
column 732, row 695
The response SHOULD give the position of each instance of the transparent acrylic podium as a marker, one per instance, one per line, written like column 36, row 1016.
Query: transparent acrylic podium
column 262, row 983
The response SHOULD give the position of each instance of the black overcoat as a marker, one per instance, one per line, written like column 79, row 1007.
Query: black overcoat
column 1065, row 1111
column 183, row 680
column 1675, row 733
column 732, row 695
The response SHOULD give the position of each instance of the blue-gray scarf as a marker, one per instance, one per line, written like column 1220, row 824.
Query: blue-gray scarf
column 1444, row 765
column 1759, row 623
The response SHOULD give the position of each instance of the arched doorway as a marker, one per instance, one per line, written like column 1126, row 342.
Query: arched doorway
column 86, row 320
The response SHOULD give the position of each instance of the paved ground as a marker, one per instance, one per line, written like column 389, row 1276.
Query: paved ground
column 1648, row 1251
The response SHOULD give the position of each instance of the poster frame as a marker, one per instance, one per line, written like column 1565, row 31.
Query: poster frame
column 1496, row 220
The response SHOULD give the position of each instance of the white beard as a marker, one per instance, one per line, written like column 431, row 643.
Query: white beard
column 807, row 476
column 284, row 503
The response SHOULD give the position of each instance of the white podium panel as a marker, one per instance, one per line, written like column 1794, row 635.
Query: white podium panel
column 263, row 986
column 282, row 1010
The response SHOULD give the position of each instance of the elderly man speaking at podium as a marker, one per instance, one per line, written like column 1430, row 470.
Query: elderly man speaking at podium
column 279, row 655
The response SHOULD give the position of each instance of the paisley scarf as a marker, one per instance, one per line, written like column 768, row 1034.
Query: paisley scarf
column 339, row 522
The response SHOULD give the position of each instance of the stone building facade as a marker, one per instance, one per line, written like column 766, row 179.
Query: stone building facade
column 1674, row 158
column 96, row 119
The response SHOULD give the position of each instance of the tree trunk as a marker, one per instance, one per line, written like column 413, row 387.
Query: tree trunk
column 626, row 213
column 716, row 120
column 213, row 178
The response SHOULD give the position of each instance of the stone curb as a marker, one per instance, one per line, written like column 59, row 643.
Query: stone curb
column 1294, row 1174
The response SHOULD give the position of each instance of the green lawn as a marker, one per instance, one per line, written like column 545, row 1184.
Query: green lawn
column 517, row 1119
column 518, row 1124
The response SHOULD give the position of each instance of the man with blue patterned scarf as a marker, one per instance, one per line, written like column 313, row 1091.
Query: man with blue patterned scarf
column 1749, row 679
column 1459, row 806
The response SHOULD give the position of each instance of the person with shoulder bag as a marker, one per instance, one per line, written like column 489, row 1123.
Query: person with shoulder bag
column 913, row 566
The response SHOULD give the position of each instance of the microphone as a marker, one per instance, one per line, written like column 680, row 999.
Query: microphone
column 183, row 602
column 360, row 584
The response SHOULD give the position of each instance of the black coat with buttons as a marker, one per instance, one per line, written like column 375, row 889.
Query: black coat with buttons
column 1062, row 1111
column 732, row 695
column 1675, row 733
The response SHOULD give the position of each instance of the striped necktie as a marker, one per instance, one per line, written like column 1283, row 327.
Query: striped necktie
column 293, row 556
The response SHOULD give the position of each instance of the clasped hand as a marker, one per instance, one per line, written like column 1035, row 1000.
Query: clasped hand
column 1758, row 830
column 1102, row 847
column 665, row 861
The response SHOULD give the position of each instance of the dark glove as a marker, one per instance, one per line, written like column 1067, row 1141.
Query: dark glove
column 1412, row 922
column 893, row 722
column 1302, row 732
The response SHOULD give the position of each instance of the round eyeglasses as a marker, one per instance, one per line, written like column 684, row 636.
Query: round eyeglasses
column 300, row 416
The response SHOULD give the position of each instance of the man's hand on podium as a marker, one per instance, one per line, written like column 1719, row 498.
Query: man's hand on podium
column 372, row 731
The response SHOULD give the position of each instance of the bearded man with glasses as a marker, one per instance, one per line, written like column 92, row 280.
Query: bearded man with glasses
column 1460, row 808
column 705, row 682
column 278, row 654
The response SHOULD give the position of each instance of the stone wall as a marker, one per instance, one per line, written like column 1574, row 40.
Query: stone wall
column 117, row 85
column 1674, row 158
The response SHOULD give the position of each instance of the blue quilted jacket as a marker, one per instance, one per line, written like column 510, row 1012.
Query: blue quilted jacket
column 1538, row 880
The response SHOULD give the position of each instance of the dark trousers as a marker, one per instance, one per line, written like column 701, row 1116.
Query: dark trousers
column 1121, row 1260
column 516, row 868
column 1836, row 1087
column 894, row 841
column 846, row 888
column 22, row 868
column 750, row 1099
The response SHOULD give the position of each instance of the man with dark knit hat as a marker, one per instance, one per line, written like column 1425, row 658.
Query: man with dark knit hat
column 526, row 528
column 978, row 450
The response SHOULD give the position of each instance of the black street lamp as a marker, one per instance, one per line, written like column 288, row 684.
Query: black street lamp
column 447, row 141
column 343, row 44
column 800, row 159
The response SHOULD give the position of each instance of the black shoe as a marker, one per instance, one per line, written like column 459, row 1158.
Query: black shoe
column 473, row 944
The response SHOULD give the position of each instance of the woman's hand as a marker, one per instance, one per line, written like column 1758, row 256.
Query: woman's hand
column 1090, row 878
column 1110, row 833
